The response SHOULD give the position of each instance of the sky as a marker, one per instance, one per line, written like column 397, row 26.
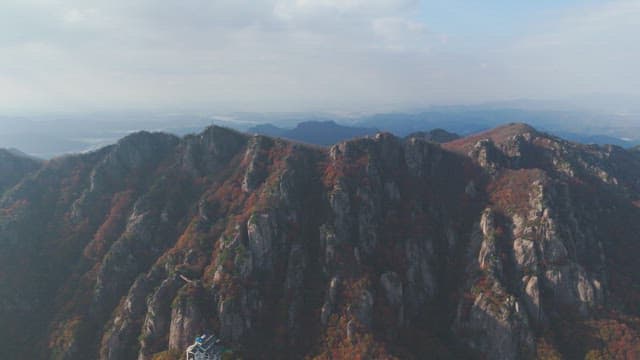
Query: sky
column 310, row 55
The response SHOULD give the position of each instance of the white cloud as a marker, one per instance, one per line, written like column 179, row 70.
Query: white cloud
column 292, row 55
column 594, row 49
column 273, row 54
column 291, row 8
column 74, row 16
column 400, row 34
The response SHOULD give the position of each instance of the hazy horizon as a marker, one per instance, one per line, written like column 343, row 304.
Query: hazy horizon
column 311, row 55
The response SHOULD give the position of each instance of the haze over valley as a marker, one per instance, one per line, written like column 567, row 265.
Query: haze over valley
column 47, row 136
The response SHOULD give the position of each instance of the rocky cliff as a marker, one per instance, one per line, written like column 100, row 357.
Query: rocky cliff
column 510, row 244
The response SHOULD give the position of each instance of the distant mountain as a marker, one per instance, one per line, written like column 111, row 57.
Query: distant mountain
column 268, row 129
column 597, row 139
column 50, row 136
column 402, row 124
column 435, row 135
column 315, row 132
column 579, row 126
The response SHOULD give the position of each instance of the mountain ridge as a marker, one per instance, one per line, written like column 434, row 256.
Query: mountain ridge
column 14, row 166
column 507, row 244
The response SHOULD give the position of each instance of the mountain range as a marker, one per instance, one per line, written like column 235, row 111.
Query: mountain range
column 323, row 133
column 52, row 135
column 505, row 244
column 326, row 133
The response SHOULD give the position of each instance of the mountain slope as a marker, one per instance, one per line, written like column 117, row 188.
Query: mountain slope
column 509, row 244
column 13, row 167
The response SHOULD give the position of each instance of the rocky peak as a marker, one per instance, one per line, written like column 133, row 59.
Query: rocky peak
column 435, row 135
column 498, row 136
column 140, row 148
column 221, row 141
column 257, row 158
column 133, row 153
column 211, row 150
